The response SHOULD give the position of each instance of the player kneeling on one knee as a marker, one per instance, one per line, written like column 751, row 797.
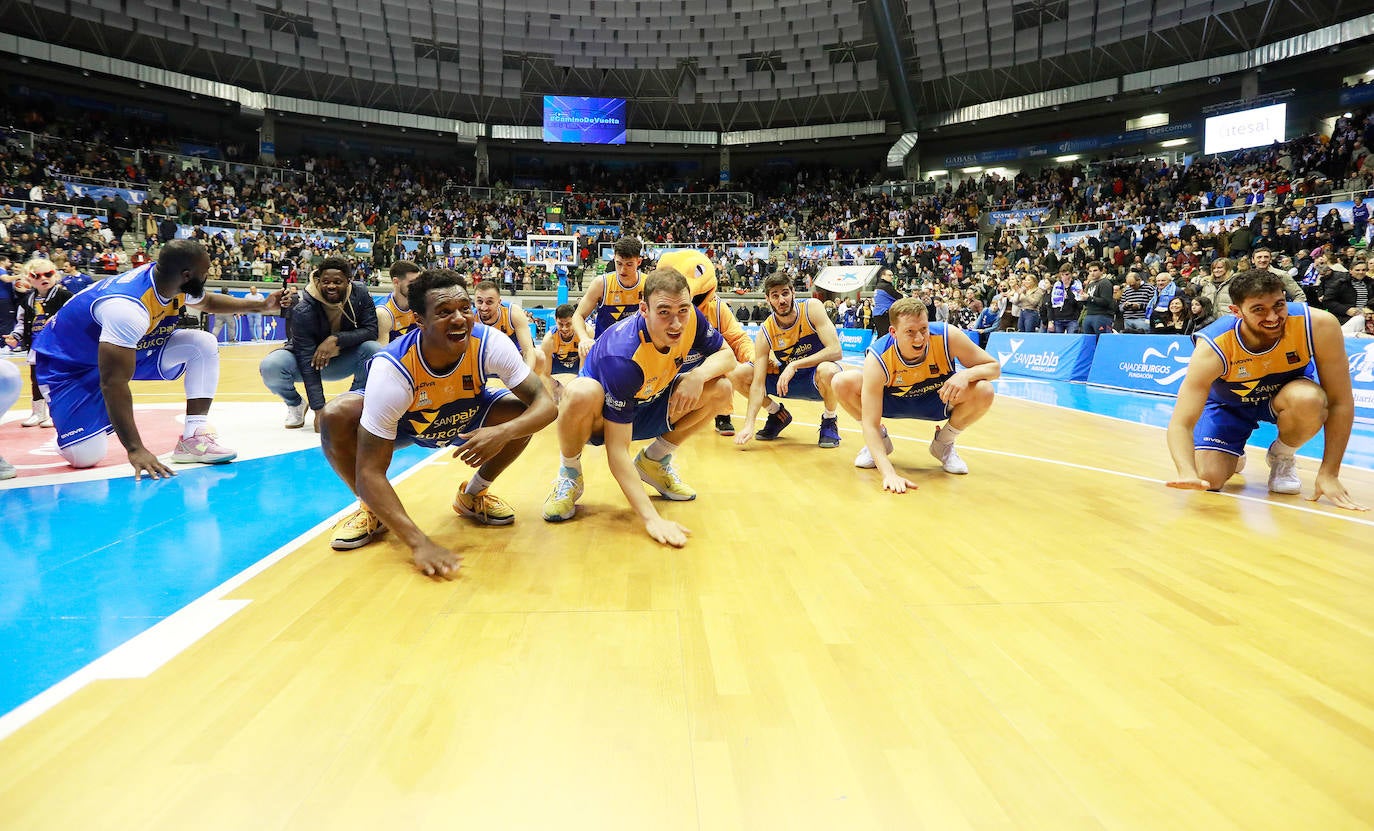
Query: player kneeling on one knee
column 429, row 388
column 1257, row 364
column 660, row 375
column 909, row 373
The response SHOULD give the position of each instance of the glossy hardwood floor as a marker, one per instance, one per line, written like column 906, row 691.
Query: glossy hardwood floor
column 1055, row 641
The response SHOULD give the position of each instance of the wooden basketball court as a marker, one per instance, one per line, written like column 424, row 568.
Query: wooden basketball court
column 1056, row 641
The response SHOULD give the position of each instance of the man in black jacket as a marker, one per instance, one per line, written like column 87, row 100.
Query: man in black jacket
column 333, row 336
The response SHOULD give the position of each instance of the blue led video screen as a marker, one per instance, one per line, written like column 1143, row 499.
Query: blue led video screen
column 572, row 120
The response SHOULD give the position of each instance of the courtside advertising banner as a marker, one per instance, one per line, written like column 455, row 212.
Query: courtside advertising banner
column 1360, row 352
column 1044, row 356
column 855, row 341
column 1145, row 363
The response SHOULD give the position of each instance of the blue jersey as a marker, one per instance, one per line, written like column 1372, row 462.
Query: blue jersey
column 634, row 372
column 1256, row 377
column 908, row 379
column 72, row 336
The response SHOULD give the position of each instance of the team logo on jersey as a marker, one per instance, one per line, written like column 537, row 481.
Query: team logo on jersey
column 467, row 383
column 1243, row 372
column 423, row 400
column 1293, row 358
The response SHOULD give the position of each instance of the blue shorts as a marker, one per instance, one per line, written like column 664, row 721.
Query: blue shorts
column 75, row 402
column 1226, row 427
column 650, row 419
column 803, row 385
column 927, row 407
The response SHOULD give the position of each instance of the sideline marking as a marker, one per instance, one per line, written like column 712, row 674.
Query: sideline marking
column 145, row 652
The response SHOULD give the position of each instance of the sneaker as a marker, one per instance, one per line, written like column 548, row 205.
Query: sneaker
column 7, row 470
column 202, row 448
column 483, row 507
column 774, row 425
column 724, row 425
column 356, row 530
column 865, row 458
column 39, row 416
column 830, row 432
column 562, row 501
column 662, row 477
column 295, row 415
column 949, row 459
column 34, row 419
column 1283, row 473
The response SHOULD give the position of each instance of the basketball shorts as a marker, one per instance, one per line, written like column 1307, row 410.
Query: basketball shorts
column 1227, row 427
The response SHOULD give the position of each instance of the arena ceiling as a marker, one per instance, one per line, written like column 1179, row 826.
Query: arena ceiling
column 685, row 64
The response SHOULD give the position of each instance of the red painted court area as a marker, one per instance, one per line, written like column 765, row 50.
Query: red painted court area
column 33, row 450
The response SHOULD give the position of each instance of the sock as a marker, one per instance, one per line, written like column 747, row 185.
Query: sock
column 477, row 485
column 660, row 449
column 573, row 464
column 774, row 407
column 194, row 423
column 1278, row 448
column 831, row 414
column 948, row 434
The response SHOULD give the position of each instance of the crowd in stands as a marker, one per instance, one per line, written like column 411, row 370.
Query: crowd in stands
column 273, row 226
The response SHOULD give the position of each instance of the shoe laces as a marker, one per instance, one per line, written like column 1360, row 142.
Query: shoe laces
column 361, row 520
column 564, row 487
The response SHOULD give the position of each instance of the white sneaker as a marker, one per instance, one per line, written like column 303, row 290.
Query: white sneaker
column 1283, row 473
column 39, row 416
column 865, row 458
column 949, row 459
column 34, row 419
column 295, row 415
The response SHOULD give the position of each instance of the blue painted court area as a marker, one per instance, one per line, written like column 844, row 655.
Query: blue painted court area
column 1142, row 408
column 92, row 564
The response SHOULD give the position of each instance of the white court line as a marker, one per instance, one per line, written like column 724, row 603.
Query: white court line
column 150, row 649
column 1344, row 517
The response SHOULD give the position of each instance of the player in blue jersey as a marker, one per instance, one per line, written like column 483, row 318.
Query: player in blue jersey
column 611, row 297
column 429, row 388
column 559, row 355
column 660, row 375
column 1257, row 364
column 910, row 373
column 123, row 329
column 803, row 340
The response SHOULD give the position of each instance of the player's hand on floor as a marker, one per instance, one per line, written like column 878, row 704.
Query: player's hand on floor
column 744, row 435
column 145, row 462
column 1331, row 487
column 896, row 483
column 1190, row 484
column 434, row 560
column 667, row 532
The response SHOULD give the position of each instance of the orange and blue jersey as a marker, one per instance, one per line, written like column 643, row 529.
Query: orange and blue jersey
column 402, row 320
column 911, row 379
column 1254, row 378
column 441, row 406
column 505, row 323
column 792, row 342
column 618, row 302
column 70, row 340
column 634, row 372
column 565, row 357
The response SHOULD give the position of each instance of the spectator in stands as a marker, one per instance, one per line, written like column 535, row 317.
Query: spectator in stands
column 1065, row 305
column 1359, row 215
column 1263, row 259
column 1099, row 302
column 1176, row 321
column 1026, row 299
column 1351, row 295
column 333, row 335
column 1215, row 289
column 1137, row 302
column 1200, row 314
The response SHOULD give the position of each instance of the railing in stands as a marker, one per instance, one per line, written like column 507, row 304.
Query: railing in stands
column 60, row 207
column 532, row 196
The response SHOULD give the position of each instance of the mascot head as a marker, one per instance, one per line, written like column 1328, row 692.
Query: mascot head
column 700, row 273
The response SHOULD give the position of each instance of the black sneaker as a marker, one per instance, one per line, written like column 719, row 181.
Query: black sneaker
column 724, row 425
column 774, row 425
column 830, row 432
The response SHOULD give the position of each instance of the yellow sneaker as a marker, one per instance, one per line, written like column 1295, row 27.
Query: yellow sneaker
column 483, row 507
column 562, row 501
column 356, row 530
column 663, row 478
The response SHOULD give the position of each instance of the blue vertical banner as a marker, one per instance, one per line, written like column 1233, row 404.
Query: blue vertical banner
column 1360, row 354
column 1050, row 357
